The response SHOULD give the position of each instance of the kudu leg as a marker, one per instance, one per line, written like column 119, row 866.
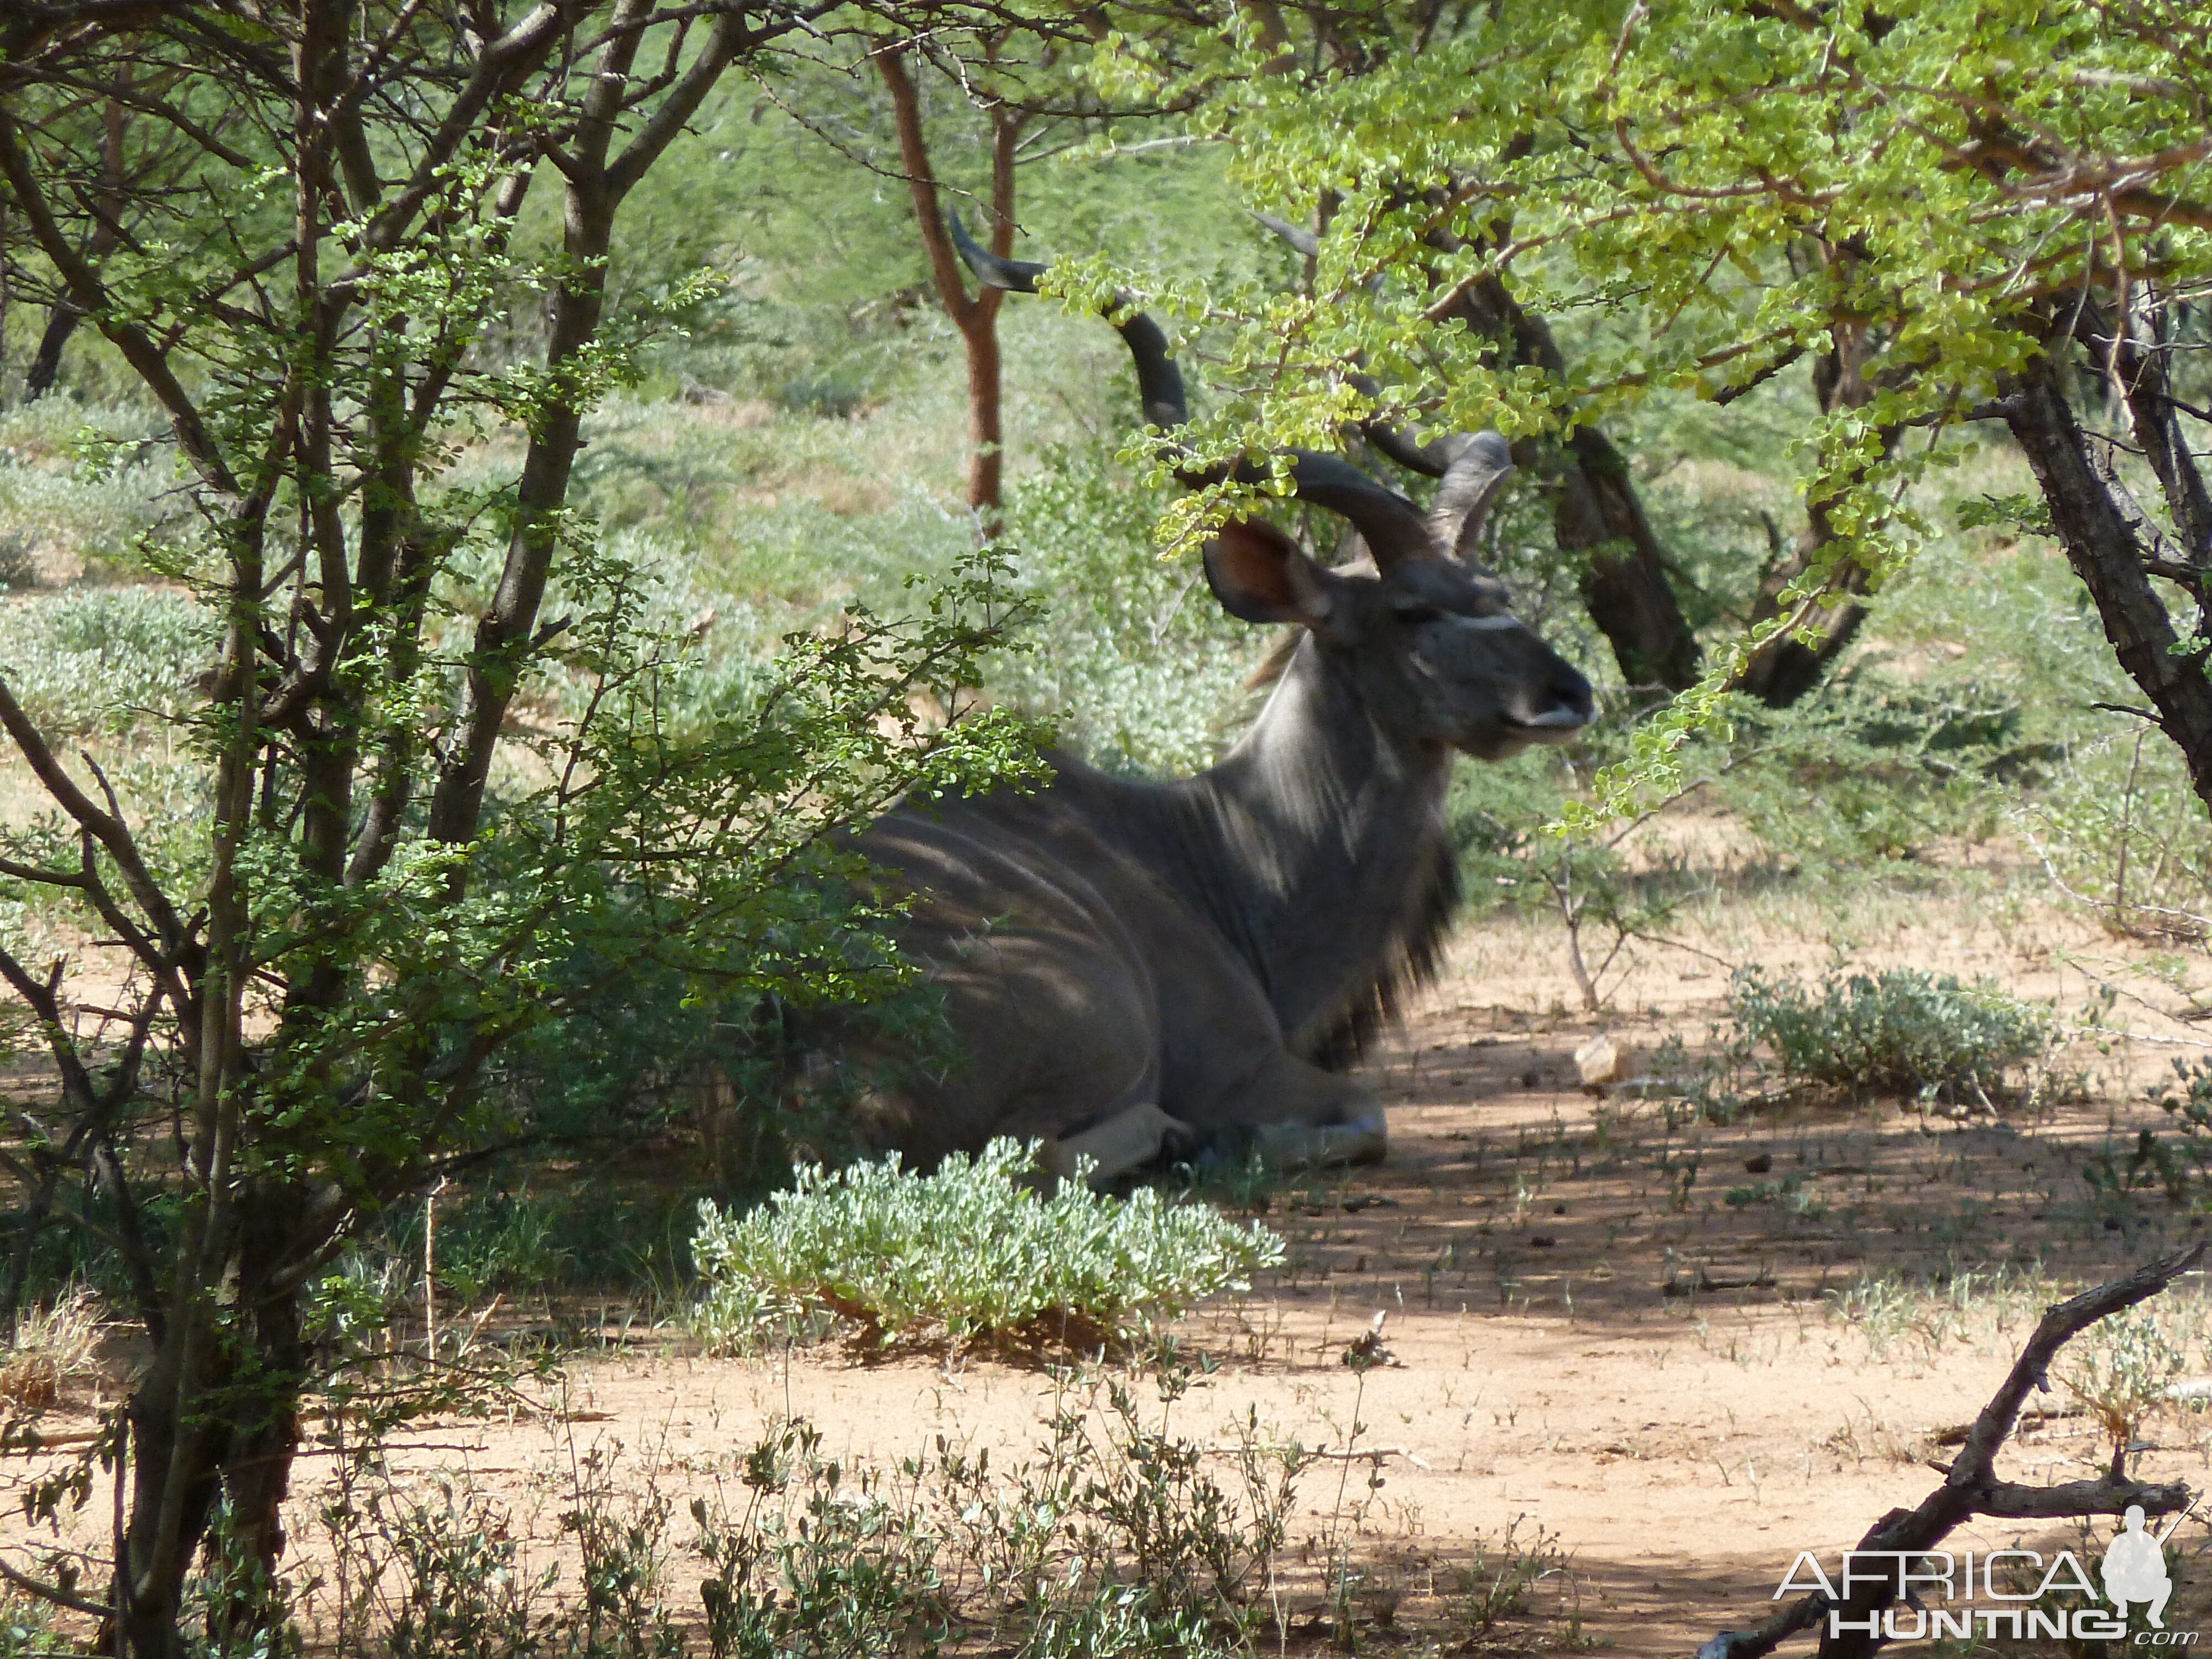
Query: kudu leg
column 1293, row 1114
column 1130, row 1140
column 1139, row 1137
column 1363, row 1138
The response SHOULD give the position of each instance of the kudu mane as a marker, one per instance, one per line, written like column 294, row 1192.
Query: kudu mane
column 1411, row 949
column 1409, row 961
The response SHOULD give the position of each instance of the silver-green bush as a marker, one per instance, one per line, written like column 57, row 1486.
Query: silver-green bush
column 971, row 1254
column 1899, row 1032
column 103, row 658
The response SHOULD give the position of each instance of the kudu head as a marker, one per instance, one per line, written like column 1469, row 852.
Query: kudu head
column 1427, row 636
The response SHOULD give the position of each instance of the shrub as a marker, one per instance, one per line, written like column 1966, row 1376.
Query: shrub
column 101, row 660
column 2191, row 1108
column 27, row 1631
column 1497, row 818
column 1498, row 1585
column 2119, row 832
column 2123, row 1370
column 1872, row 768
column 1900, row 1032
column 971, row 1254
column 1120, row 1535
column 2182, row 1166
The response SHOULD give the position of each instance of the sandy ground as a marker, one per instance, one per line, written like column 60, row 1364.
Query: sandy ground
column 1634, row 1336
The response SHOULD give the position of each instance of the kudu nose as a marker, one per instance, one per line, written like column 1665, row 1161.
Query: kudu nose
column 1571, row 693
column 1562, row 701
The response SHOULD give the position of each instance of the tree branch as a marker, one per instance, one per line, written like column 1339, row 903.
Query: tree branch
column 148, row 361
column 1972, row 1487
column 112, row 835
column 728, row 37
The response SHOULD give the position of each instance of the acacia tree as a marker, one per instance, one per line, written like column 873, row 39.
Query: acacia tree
column 1597, row 516
column 1972, row 211
column 2007, row 198
column 452, row 783
column 1623, row 572
column 1942, row 211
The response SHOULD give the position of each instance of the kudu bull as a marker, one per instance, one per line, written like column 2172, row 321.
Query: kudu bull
column 1136, row 968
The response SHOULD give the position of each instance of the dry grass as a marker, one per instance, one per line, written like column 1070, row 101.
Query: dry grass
column 52, row 1348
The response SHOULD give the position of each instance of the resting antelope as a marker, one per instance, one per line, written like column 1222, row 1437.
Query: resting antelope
column 1132, row 967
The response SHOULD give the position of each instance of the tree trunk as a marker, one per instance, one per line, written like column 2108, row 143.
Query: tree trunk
column 256, row 1465
column 107, row 231
column 1624, row 585
column 2109, row 542
column 150, row 1577
column 977, row 317
column 1598, row 519
column 46, row 362
column 986, row 435
column 1786, row 668
column 238, row 1446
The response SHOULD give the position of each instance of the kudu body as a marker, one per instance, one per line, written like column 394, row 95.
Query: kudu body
column 1130, row 968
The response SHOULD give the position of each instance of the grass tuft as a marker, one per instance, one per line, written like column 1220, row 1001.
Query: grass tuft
column 52, row 1346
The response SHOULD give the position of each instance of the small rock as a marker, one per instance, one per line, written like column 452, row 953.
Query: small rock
column 1598, row 1061
column 1758, row 1162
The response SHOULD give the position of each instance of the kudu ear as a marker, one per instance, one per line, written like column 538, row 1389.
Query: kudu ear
column 1260, row 574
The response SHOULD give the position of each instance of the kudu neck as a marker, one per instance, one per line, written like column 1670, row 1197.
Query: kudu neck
column 1338, row 819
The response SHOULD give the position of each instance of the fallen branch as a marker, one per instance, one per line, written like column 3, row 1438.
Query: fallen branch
column 2189, row 1391
column 1956, row 1433
column 1971, row 1486
column 28, row 1442
column 1704, row 1283
column 2152, row 1036
column 52, row 1592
